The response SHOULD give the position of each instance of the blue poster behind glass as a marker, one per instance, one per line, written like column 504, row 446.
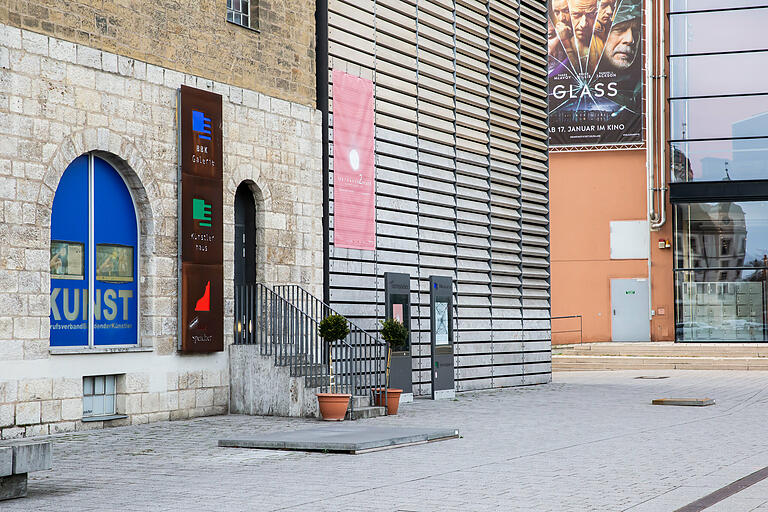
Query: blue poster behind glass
column 68, row 258
column 116, row 259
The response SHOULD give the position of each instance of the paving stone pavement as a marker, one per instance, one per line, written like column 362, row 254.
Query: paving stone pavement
column 588, row 441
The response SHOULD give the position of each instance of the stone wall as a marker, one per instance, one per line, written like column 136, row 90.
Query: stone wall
column 259, row 387
column 30, row 407
column 59, row 100
column 191, row 37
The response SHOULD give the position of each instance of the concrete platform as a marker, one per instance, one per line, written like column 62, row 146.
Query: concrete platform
column 343, row 438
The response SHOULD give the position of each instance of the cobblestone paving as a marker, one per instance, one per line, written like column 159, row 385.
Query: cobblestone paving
column 588, row 441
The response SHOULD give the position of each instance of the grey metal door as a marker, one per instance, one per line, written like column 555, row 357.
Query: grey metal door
column 629, row 310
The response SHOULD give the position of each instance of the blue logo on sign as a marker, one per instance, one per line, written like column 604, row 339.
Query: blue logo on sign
column 201, row 125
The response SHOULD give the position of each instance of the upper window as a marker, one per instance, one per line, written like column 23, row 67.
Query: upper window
column 718, row 90
column 93, row 258
column 243, row 12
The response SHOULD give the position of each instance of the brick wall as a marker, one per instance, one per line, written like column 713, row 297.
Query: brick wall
column 191, row 37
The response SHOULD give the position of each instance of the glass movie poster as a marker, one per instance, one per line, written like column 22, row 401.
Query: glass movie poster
column 595, row 72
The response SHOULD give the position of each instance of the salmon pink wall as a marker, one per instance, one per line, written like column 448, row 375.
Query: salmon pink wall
column 588, row 190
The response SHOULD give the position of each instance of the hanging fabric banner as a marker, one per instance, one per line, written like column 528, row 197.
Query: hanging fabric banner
column 354, row 194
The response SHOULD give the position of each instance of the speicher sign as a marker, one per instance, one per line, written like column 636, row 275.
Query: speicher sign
column 201, row 322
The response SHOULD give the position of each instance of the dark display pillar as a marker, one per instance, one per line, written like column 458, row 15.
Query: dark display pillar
column 397, row 288
column 441, row 321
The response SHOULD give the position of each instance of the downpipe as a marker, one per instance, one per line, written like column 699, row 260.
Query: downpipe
column 658, row 217
column 653, row 217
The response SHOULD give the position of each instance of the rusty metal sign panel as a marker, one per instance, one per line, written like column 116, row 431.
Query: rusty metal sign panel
column 201, row 322
column 201, row 221
column 202, row 308
column 201, row 138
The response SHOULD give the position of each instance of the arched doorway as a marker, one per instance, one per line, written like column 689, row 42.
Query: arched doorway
column 245, row 236
column 94, row 252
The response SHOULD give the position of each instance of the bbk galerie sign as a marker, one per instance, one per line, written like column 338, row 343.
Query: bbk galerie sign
column 200, row 209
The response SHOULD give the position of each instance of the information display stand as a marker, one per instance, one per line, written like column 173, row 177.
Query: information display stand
column 397, row 290
column 441, row 321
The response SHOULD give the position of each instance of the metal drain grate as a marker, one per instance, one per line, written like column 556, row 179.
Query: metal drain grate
column 695, row 402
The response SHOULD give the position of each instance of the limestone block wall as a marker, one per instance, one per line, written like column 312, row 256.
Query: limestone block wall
column 59, row 100
column 190, row 37
column 42, row 406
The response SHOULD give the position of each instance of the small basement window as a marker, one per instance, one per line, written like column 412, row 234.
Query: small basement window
column 244, row 13
column 99, row 396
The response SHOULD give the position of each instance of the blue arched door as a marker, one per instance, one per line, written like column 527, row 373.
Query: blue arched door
column 94, row 257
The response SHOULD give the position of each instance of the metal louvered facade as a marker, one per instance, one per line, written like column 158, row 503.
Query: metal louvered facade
column 461, row 177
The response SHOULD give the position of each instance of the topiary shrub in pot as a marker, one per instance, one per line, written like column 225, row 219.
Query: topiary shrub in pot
column 333, row 406
column 396, row 335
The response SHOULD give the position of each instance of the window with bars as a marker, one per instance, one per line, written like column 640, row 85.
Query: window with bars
column 243, row 13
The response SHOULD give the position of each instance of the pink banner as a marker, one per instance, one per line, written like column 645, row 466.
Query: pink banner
column 354, row 194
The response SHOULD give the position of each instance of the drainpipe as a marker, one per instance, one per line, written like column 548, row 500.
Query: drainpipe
column 321, row 72
column 658, row 218
column 653, row 216
column 661, row 99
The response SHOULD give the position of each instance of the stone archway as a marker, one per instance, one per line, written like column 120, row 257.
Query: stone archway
column 148, row 199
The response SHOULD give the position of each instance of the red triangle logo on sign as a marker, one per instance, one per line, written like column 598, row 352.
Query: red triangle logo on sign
column 204, row 303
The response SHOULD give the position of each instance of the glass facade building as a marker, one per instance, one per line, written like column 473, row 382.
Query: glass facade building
column 718, row 143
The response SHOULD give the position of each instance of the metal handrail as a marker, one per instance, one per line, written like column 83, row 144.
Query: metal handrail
column 579, row 330
column 370, row 353
column 288, row 330
column 298, row 296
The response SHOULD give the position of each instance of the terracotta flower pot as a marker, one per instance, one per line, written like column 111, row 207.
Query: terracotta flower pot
column 333, row 406
column 393, row 399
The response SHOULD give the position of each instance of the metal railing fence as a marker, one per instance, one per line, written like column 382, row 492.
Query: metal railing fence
column 284, row 323
column 579, row 330
column 369, row 360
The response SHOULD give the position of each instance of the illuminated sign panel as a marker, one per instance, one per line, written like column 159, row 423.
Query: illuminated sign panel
column 200, row 210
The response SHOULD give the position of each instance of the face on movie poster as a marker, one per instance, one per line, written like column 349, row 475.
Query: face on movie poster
column 595, row 71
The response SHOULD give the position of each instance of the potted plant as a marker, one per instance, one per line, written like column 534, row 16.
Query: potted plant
column 396, row 335
column 333, row 406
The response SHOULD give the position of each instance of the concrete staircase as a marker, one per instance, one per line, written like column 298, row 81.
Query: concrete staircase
column 363, row 409
column 642, row 356
column 278, row 361
column 259, row 386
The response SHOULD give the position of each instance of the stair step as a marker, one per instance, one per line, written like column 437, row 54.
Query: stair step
column 360, row 401
column 315, row 381
column 305, row 370
column 365, row 412
column 664, row 349
column 288, row 360
column 613, row 362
